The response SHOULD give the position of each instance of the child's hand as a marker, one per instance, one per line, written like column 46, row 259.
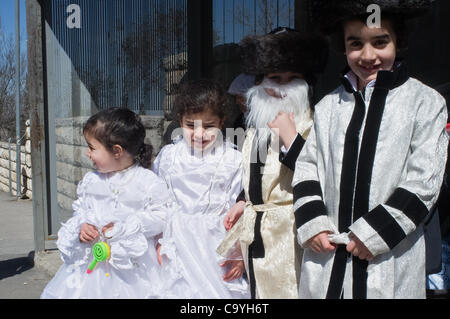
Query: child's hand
column 88, row 233
column 320, row 243
column 158, row 253
column 107, row 228
column 233, row 215
column 236, row 269
column 283, row 125
column 358, row 249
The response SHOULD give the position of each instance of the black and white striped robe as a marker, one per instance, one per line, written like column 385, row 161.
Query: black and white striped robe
column 372, row 165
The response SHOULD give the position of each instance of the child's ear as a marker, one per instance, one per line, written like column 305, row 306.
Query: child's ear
column 117, row 151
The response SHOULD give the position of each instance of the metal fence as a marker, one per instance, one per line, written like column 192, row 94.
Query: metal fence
column 119, row 48
column 122, row 48
column 234, row 19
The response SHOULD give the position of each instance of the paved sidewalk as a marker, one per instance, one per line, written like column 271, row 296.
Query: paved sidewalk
column 16, row 226
column 21, row 277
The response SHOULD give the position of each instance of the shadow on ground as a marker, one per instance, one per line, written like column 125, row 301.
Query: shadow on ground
column 12, row 267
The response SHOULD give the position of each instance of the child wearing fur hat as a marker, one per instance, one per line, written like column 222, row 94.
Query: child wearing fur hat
column 371, row 169
column 278, row 121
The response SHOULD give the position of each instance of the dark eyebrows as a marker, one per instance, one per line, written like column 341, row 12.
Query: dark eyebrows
column 382, row 37
column 191, row 122
column 378, row 37
column 352, row 38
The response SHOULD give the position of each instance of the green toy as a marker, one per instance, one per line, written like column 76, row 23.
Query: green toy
column 101, row 252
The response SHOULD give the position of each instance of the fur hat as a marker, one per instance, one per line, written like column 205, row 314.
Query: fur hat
column 282, row 51
column 329, row 13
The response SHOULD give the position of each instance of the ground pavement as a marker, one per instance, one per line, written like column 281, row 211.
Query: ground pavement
column 19, row 277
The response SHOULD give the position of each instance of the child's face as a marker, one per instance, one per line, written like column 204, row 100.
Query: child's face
column 369, row 50
column 281, row 78
column 101, row 157
column 200, row 130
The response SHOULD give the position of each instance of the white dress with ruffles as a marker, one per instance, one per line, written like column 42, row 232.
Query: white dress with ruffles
column 136, row 201
column 204, row 187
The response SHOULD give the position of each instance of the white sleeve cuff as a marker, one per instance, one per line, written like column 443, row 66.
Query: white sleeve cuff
column 312, row 228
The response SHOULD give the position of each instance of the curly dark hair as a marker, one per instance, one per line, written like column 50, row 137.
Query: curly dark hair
column 199, row 96
column 120, row 126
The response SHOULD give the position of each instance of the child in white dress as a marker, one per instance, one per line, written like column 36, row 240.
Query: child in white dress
column 203, row 174
column 123, row 204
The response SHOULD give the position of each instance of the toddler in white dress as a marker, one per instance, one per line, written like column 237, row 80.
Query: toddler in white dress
column 122, row 204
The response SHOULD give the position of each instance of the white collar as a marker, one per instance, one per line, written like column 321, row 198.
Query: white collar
column 123, row 177
column 353, row 79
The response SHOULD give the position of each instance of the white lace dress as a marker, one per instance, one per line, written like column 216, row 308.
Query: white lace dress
column 204, row 187
column 136, row 201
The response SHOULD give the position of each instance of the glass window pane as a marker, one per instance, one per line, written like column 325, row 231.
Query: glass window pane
column 127, row 53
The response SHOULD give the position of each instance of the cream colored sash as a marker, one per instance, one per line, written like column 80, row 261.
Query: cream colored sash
column 244, row 229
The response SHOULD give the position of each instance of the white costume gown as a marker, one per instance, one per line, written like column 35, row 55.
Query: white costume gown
column 205, row 188
column 136, row 201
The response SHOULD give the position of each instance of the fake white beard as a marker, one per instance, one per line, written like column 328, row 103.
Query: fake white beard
column 263, row 108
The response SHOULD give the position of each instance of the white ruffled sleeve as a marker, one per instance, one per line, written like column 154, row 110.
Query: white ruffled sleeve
column 157, row 209
column 68, row 243
column 129, row 239
column 156, row 162
column 160, row 158
column 127, row 242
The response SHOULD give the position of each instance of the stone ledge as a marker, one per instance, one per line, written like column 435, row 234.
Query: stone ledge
column 48, row 261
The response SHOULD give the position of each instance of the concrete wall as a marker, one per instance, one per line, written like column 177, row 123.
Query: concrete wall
column 25, row 159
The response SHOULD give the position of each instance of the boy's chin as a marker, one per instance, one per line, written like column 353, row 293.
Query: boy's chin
column 367, row 77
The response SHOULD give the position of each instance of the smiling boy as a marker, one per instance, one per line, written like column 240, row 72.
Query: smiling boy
column 371, row 169
column 369, row 50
